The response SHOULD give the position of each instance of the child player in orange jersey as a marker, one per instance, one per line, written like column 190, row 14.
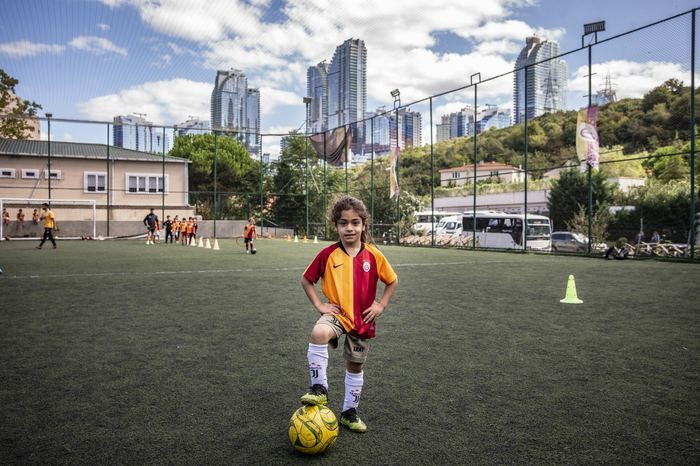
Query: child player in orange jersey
column 350, row 270
column 248, row 237
column 183, row 232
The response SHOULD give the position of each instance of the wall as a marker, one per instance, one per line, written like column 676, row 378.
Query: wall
column 71, row 184
column 68, row 228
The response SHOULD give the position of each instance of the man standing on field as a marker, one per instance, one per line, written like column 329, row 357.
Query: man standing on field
column 49, row 224
column 151, row 222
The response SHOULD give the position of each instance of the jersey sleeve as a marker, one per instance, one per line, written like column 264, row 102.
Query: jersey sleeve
column 316, row 268
column 384, row 269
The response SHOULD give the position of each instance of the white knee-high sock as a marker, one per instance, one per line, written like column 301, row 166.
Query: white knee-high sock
column 353, row 389
column 318, row 362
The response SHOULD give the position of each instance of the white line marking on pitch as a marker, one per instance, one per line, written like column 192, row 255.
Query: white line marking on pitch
column 218, row 271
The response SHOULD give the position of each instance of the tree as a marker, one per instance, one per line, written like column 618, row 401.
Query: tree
column 10, row 104
column 238, row 175
column 571, row 190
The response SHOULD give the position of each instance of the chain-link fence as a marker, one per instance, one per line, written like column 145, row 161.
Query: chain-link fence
column 504, row 162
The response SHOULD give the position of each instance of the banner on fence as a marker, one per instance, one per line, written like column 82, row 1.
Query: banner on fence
column 587, row 144
column 393, row 175
column 334, row 149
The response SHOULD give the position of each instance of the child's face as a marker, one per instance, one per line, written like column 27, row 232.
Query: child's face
column 350, row 226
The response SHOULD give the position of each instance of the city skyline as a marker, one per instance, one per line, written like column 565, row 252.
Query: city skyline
column 158, row 59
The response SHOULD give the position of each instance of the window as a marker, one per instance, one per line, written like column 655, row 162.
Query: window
column 30, row 173
column 455, row 175
column 95, row 182
column 7, row 172
column 55, row 174
column 146, row 184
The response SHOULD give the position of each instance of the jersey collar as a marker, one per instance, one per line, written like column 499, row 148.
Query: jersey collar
column 362, row 248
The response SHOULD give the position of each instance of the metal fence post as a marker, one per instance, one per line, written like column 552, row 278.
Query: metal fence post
column 215, row 179
column 432, row 179
column 371, row 175
column 325, row 189
column 108, row 180
column 590, row 169
column 525, row 187
column 693, row 194
column 162, row 202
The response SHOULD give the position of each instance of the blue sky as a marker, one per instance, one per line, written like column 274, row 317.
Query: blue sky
column 96, row 59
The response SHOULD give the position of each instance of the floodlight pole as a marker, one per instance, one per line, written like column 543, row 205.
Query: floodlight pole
column 476, row 85
column 590, row 28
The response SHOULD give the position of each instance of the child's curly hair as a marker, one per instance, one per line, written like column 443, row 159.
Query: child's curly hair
column 347, row 203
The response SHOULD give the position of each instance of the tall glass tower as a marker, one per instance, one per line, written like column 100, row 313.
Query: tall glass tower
column 236, row 108
column 347, row 88
column 546, row 82
column 317, row 89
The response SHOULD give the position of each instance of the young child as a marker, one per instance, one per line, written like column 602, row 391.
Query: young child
column 35, row 217
column 176, row 228
column 183, row 231
column 190, row 231
column 350, row 269
column 248, row 236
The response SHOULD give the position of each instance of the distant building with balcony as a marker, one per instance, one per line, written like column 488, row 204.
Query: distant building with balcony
column 493, row 171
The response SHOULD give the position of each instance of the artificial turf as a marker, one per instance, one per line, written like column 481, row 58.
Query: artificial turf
column 115, row 352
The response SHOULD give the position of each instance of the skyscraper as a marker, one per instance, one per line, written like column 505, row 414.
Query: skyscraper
column 236, row 108
column 347, row 88
column 317, row 89
column 136, row 133
column 192, row 125
column 546, row 81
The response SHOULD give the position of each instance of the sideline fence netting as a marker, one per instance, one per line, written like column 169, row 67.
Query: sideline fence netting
column 504, row 143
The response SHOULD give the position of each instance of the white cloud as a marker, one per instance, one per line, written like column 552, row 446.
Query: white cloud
column 103, row 26
column 398, row 35
column 271, row 98
column 631, row 79
column 25, row 48
column 164, row 102
column 96, row 45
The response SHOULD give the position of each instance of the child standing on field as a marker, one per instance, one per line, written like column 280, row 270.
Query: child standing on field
column 249, row 236
column 350, row 270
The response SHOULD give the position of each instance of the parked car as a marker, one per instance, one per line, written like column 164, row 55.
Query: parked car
column 566, row 241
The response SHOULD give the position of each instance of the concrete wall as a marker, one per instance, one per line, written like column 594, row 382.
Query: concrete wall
column 68, row 228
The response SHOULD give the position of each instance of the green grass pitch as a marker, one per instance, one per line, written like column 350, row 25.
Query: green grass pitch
column 115, row 352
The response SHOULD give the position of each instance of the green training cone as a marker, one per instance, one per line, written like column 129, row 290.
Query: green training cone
column 571, row 297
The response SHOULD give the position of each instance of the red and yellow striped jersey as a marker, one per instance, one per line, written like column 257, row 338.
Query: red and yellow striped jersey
column 351, row 282
column 249, row 231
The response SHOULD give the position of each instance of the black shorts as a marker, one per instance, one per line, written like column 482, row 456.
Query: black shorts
column 248, row 240
column 151, row 229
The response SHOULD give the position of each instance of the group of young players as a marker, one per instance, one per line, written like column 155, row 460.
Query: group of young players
column 184, row 231
column 178, row 230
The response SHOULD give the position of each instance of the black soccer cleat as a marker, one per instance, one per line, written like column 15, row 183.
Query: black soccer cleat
column 317, row 395
column 352, row 421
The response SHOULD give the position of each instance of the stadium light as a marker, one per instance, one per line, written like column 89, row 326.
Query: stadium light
column 396, row 94
column 592, row 28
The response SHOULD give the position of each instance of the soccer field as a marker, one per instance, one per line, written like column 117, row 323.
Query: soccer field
column 115, row 352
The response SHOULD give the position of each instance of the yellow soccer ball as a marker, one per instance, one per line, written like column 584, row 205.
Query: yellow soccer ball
column 313, row 429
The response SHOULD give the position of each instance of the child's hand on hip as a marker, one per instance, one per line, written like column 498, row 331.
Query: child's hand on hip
column 371, row 313
column 328, row 308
